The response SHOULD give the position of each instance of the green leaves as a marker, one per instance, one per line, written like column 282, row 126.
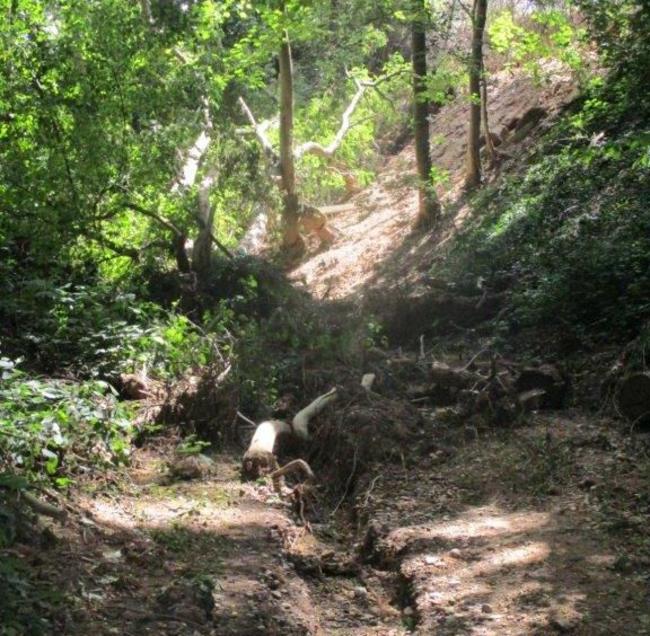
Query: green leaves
column 50, row 428
column 551, row 36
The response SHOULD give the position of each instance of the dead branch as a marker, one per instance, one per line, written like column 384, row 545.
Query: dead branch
column 259, row 458
column 300, row 421
column 260, row 130
column 296, row 465
column 43, row 508
column 445, row 375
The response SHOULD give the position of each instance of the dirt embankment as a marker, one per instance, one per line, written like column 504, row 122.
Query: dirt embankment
column 375, row 248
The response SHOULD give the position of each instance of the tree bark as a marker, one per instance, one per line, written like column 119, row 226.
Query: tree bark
column 202, row 253
column 147, row 16
column 473, row 169
column 429, row 207
column 291, row 233
column 489, row 145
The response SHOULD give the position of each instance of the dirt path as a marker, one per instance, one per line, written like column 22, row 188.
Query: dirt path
column 537, row 531
column 541, row 531
column 214, row 556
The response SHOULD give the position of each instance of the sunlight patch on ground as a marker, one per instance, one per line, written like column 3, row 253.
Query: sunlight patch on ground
column 479, row 522
column 526, row 554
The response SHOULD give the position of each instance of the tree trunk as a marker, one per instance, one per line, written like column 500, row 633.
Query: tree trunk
column 473, row 174
column 489, row 145
column 147, row 16
column 202, row 252
column 290, row 219
column 429, row 208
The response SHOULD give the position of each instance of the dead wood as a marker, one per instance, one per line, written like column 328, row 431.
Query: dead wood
column 441, row 373
column 43, row 508
column 548, row 378
column 259, row 458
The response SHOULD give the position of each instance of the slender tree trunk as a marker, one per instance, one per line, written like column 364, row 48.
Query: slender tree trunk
column 202, row 252
column 291, row 208
column 473, row 171
column 489, row 146
column 429, row 207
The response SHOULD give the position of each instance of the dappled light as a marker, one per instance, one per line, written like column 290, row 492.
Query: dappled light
column 324, row 318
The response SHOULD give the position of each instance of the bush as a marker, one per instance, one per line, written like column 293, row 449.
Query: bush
column 571, row 232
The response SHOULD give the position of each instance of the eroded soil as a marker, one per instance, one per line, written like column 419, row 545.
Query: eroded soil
column 540, row 530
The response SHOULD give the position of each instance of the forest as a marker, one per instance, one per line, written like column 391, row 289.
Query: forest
column 324, row 318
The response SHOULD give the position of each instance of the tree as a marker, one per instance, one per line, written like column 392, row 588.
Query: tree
column 295, row 214
column 428, row 205
column 291, row 235
column 473, row 168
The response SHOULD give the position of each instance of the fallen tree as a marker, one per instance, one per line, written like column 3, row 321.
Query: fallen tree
column 259, row 458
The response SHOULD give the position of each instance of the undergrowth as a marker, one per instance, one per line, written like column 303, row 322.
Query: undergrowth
column 569, row 232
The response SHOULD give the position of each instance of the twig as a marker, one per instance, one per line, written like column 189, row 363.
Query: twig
column 370, row 489
column 347, row 483
column 246, row 419
column 474, row 358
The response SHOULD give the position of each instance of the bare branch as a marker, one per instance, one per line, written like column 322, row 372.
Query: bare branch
column 327, row 152
column 187, row 174
column 312, row 147
column 260, row 130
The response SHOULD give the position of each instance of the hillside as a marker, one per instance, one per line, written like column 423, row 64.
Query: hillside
column 352, row 429
column 375, row 248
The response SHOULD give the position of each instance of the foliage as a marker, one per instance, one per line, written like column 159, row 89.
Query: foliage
column 99, row 332
column 571, row 232
column 49, row 429
column 550, row 36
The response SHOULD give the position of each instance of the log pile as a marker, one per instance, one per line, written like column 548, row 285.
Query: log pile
column 498, row 390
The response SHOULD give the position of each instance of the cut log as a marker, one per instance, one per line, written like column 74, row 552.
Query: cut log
column 633, row 397
column 548, row 378
column 445, row 375
column 531, row 400
column 259, row 459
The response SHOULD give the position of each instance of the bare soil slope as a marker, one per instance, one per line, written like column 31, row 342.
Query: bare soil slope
column 375, row 247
